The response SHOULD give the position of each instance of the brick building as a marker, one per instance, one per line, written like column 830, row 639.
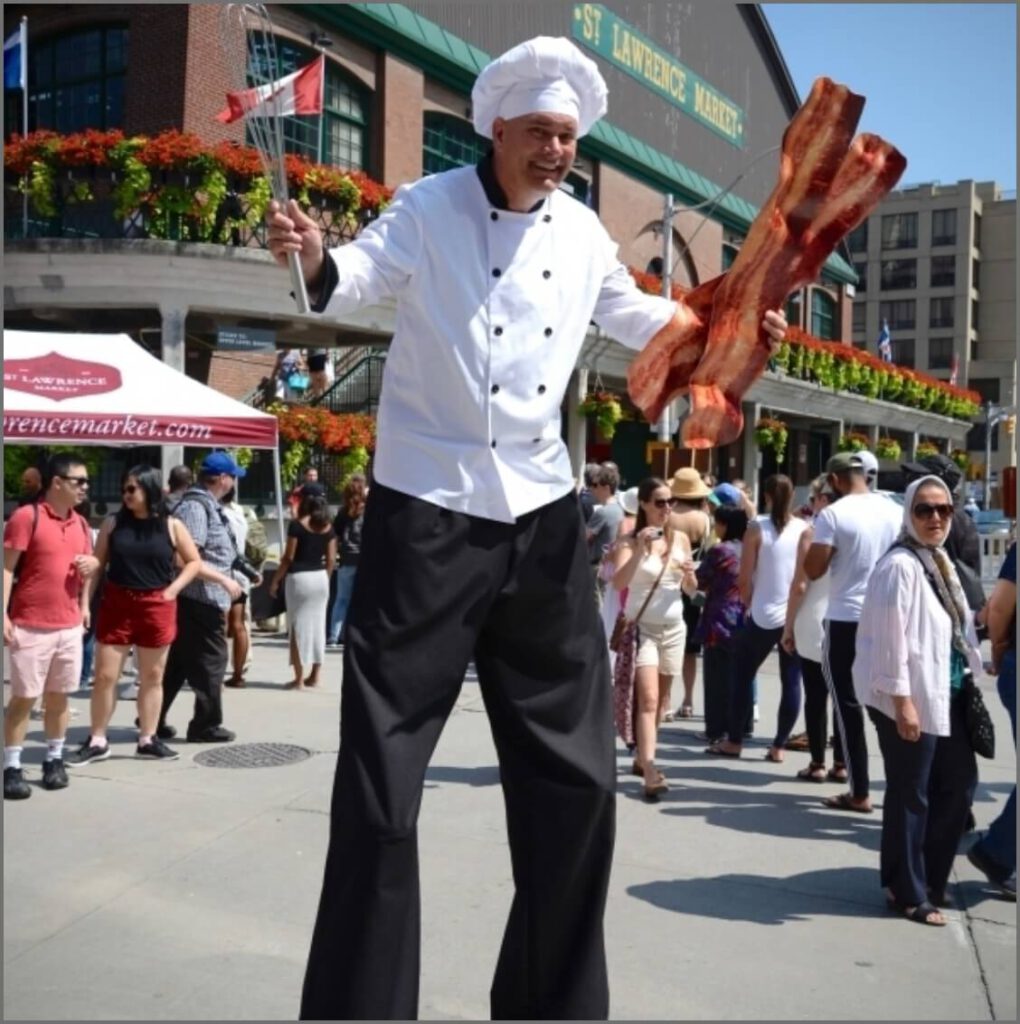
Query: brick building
column 699, row 98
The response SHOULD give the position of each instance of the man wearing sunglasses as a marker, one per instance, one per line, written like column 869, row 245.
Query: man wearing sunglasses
column 50, row 547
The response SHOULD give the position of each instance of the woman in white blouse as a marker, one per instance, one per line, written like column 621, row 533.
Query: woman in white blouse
column 916, row 646
column 651, row 564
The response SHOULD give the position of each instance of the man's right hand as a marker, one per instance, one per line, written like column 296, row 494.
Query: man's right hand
column 233, row 588
column 8, row 629
column 292, row 230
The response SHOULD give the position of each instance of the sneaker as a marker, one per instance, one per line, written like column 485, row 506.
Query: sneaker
column 164, row 732
column 1000, row 877
column 87, row 753
column 156, row 750
column 15, row 786
column 53, row 774
column 217, row 734
column 131, row 693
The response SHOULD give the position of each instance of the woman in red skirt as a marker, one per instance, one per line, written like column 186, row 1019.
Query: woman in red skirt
column 138, row 547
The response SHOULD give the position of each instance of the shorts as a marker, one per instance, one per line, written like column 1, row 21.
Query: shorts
column 662, row 646
column 692, row 616
column 45, row 660
column 138, row 618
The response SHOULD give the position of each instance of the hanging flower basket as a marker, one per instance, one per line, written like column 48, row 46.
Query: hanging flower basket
column 854, row 442
column 925, row 449
column 889, row 448
column 961, row 458
column 605, row 407
column 771, row 435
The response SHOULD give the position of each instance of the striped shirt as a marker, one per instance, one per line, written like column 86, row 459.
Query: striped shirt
column 204, row 519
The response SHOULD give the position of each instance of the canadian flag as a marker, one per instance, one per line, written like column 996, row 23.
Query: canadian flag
column 297, row 93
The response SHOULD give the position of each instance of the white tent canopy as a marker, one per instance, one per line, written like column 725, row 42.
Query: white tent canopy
column 104, row 389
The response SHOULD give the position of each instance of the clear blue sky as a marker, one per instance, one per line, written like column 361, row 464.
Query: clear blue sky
column 940, row 79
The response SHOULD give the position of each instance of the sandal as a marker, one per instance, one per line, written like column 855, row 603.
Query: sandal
column 668, row 716
column 815, row 772
column 921, row 914
column 845, row 802
column 654, row 789
column 716, row 750
column 774, row 754
column 798, row 742
column 837, row 773
column 636, row 769
column 685, row 711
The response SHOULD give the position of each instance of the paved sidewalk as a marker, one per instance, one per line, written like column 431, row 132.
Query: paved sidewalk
column 177, row 891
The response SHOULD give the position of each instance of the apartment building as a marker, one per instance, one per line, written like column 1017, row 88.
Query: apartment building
column 938, row 264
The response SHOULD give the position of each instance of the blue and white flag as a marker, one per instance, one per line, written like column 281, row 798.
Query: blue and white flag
column 15, row 61
column 885, row 342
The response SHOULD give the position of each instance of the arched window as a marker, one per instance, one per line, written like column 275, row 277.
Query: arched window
column 823, row 315
column 76, row 81
column 339, row 137
column 450, row 142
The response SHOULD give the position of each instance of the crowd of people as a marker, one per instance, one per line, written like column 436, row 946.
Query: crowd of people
column 868, row 603
column 166, row 580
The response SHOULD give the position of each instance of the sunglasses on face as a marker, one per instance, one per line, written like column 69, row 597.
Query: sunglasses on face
column 128, row 489
column 925, row 511
column 662, row 502
column 78, row 481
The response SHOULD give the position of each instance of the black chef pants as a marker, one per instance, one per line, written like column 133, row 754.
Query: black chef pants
column 434, row 589
column 198, row 656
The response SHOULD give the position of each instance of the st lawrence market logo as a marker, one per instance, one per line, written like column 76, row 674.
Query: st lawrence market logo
column 57, row 377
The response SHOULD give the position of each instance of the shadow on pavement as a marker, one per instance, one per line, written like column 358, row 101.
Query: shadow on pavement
column 764, row 899
column 486, row 775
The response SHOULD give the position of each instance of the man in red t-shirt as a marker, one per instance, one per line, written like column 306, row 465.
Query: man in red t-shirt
column 50, row 546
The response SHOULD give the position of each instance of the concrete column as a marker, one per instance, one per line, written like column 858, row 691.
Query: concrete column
column 911, row 451
column 873, row 436
column 577, row 426
column 172, row 353
column 751, row 455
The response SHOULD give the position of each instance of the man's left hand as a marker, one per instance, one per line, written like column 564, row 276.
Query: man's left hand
column 775, row 326
column 86, row 565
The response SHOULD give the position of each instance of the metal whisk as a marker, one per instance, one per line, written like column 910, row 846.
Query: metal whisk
column 253, row 68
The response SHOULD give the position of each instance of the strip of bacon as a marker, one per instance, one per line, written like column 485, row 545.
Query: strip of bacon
column 661, row 370
column 826, row 187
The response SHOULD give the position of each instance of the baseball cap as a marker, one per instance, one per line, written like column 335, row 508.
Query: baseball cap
column 726, row 494
column 869, row 462
column 220, row 462
column 629, row 501
column 935, row 465
column 844, row 462
column 312, row 490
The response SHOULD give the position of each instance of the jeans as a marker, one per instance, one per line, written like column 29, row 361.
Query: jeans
column 999, row 842
column 753, row 646
column 838, row 653
column 344, row 588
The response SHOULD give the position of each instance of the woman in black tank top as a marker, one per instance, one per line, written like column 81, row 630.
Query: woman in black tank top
column 139, row 547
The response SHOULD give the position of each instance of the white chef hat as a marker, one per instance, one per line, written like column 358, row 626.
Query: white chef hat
column 546, row 75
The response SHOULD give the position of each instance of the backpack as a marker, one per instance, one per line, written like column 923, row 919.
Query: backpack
column 256, row 545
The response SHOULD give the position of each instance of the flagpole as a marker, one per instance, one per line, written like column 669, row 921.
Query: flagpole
column 24, row 113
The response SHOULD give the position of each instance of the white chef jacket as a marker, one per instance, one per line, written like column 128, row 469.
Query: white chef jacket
column 493, row 307
column 903, row 643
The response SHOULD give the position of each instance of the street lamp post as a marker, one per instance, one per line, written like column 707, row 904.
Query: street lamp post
column 668, row 211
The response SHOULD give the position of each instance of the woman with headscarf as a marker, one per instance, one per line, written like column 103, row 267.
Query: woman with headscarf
column 916, row 646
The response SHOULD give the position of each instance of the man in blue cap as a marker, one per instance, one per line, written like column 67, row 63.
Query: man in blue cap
column 199, row 654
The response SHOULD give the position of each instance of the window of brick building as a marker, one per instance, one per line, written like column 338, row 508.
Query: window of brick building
column 793, row 311
column 943, row 271
column 75, row 81
column 823, row 315
column 940, row 353
column 899, row 231
column 943, row 227
column 898, row 275
column 450, row 142
column 901, row 314
column 339, row 138
column 941, row 313
column 975, row 273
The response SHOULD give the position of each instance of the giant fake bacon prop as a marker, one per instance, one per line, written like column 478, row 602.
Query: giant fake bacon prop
column 715, row 348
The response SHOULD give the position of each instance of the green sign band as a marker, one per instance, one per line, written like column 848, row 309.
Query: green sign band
column 602, row 31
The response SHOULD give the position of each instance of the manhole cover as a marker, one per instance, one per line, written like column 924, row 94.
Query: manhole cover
column 252, row 755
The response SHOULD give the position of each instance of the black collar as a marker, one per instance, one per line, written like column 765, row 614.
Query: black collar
column 493, row 190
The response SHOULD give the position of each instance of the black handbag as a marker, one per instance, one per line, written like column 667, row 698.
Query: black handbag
column 980, row 730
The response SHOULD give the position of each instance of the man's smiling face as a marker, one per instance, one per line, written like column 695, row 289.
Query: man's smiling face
column 534, row 153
